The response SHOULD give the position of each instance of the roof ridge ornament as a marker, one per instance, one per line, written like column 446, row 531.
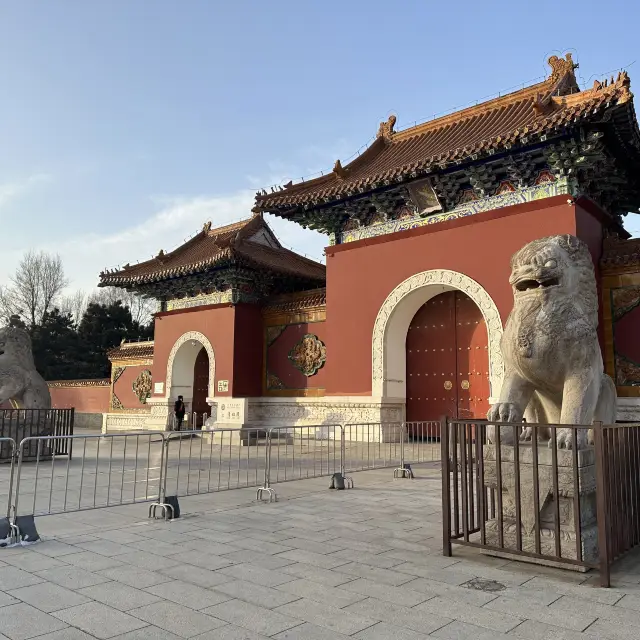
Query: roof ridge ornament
column 339, row 170
column 206, row 227
column 385, row 130
column 620, row 85
column 561, row 66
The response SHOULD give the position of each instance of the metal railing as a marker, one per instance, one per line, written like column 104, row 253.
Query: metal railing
column 379, row 445
column 511, row 488
column 148, row 466
column 618, row 488
column 18, row 424
column 109, row 470
column 9, row 445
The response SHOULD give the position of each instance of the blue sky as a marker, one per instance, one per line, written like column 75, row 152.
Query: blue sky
column 126, row 124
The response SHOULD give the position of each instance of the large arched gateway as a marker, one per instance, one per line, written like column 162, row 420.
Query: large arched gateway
column 440, row 299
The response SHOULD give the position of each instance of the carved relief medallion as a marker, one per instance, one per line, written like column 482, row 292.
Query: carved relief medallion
column 142, row 386
column 309, row 355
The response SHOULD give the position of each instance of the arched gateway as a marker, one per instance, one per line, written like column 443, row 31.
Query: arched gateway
column 191, row 372
column 391, row 342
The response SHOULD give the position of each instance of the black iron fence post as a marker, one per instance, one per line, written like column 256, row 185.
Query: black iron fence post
column 601, row 506
column 446, row 487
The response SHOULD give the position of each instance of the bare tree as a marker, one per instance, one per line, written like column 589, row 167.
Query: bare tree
column 141, row 308
column 74, row 304
column 35, row 286
column 7, row 308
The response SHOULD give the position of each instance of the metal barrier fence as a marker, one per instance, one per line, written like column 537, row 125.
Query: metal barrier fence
column 10, row 445
column 378, row 445
column 125, row 468
column 109, row 470
column 18, row 424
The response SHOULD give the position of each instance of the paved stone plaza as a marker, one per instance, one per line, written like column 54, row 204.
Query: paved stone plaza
column 318, row 564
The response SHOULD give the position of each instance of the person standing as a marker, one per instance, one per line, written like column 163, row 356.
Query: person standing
column 179, row 411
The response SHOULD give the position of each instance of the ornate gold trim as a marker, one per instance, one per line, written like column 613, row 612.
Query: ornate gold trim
column 125, row 362
column 92, row 382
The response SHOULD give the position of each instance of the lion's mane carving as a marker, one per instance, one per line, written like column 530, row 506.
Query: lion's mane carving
column 553, row 364
column 19, row 380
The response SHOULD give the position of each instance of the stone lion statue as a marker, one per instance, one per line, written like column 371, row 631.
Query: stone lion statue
column 554, row 372
column 19, row 380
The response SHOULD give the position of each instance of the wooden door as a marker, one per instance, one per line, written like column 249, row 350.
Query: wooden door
column 200, row 387
column 472, row 362
column 447, row 360
column 431, row 360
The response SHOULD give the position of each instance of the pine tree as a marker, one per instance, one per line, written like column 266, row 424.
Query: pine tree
column 57, row 348
column 103, row 327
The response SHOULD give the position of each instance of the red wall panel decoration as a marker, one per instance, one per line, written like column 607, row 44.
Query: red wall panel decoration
column 282, row 373
column 123, row 387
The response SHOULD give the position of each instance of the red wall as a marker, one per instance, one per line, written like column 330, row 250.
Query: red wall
column 278, row 361
column 216, row 323
column 361, row 275
column 83, row 399
column 588, row 217
column 247, row 358
column 123, row 386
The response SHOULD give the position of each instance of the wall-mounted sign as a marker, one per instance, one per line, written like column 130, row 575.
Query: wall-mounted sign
column 232, row 411
column 223, row 386
column 158, row 387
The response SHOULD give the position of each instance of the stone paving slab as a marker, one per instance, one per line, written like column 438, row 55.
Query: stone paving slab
column 364, row 564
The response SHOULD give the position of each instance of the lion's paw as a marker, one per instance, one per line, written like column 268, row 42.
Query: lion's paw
column 527, row 434
column 504, row 412
column 565, row 438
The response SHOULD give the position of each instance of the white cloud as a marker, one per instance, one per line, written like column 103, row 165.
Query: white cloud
column 11, row 190
column 176, row 219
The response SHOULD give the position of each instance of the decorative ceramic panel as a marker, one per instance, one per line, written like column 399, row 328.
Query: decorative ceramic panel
column 142, row 386
column 309, row 355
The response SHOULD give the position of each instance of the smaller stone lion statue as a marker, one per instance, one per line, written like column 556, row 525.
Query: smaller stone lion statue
column 19, row 380
column 553, row 364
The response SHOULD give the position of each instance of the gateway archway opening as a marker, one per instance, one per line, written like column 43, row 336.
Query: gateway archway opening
column 447, row 360
column 190, row 374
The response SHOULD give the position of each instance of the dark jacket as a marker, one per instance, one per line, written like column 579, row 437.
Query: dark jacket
column 178, row 408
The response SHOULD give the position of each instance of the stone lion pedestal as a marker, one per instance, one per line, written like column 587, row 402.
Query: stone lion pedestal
column 564, row 502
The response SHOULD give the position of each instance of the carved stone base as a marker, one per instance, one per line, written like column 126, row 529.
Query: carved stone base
column 124, row 422
column 564, row 502
column 568, row 549
column 363, row 415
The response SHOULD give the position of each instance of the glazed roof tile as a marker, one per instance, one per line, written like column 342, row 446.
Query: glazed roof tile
column 214, row 248
column 131, row 351
column 496, row 125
